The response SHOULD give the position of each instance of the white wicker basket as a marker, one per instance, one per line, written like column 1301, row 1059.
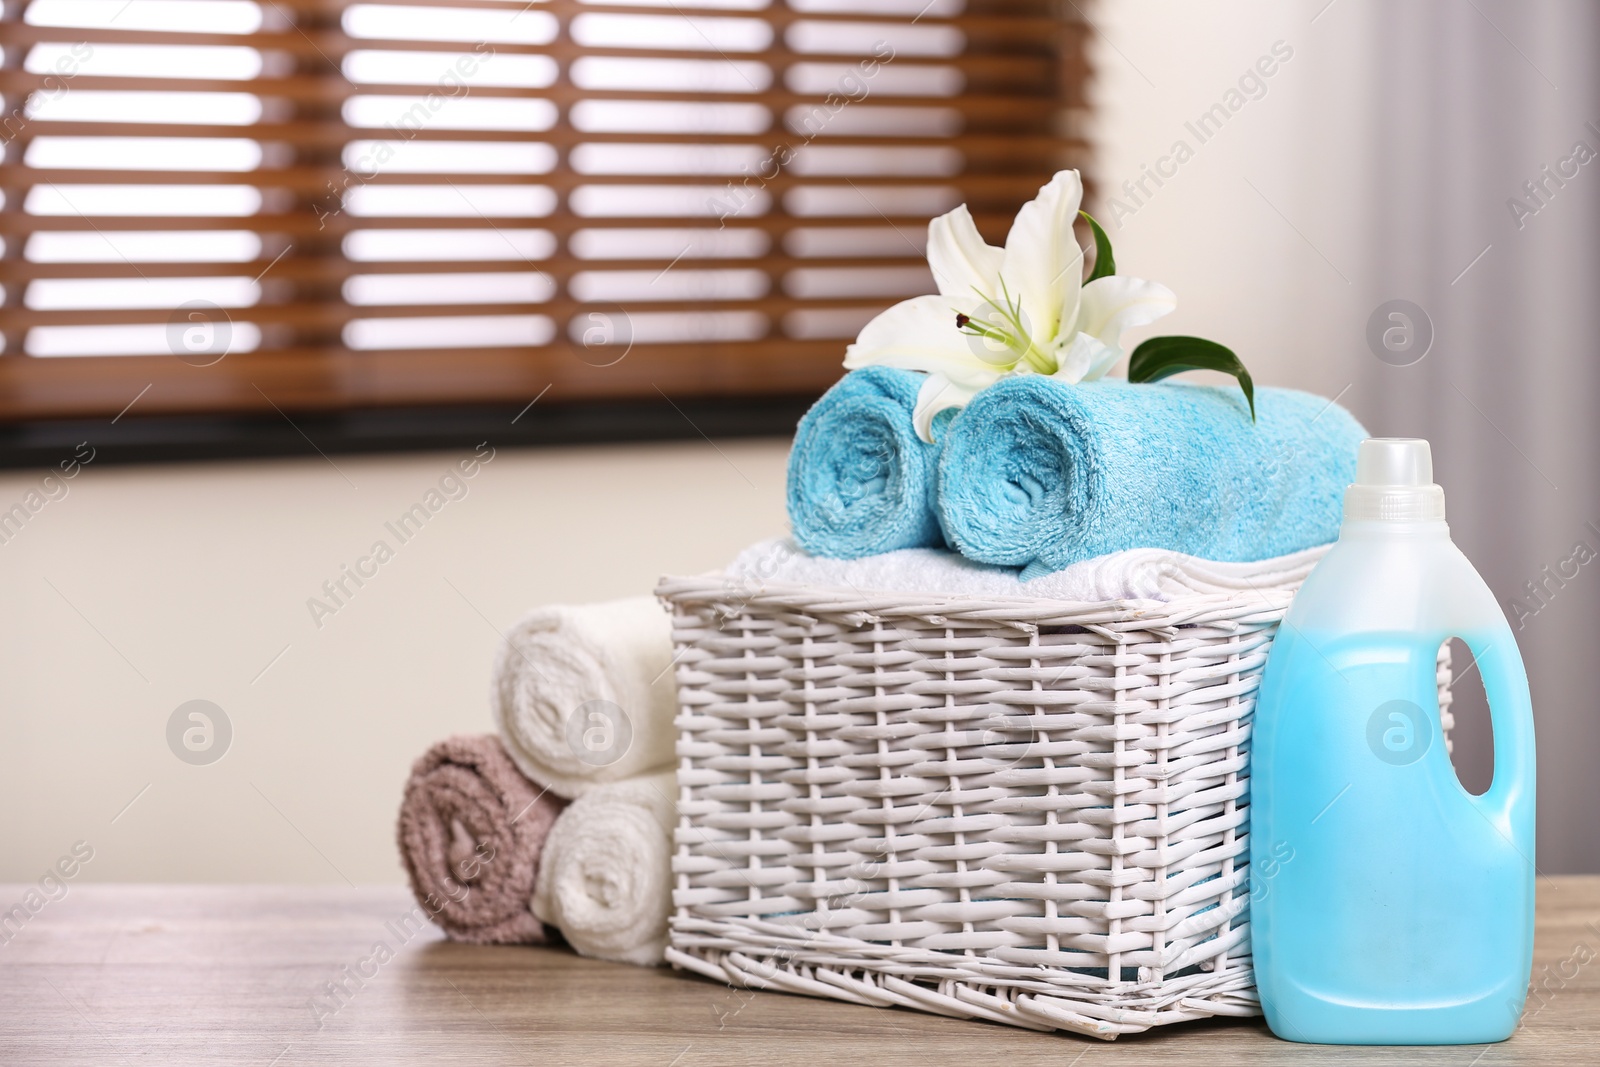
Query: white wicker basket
column 1031, row 812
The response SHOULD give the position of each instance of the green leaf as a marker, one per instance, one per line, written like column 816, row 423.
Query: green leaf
column 1162, row 357
column 1104, row 262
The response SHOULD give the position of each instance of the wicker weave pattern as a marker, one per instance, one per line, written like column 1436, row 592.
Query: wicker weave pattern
column 1025, row 811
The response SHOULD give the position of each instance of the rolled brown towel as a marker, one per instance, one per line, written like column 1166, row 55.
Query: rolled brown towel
column 471, row 830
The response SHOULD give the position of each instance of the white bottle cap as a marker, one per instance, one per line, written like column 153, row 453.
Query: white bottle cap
column 1394, row 482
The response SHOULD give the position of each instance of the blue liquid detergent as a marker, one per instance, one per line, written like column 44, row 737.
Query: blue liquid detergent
column 1389, row 905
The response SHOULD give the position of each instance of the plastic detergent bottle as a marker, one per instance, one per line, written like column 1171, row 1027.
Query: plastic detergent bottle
column 1388, row 904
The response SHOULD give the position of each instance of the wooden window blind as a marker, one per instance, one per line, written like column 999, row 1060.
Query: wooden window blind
column 229, row 206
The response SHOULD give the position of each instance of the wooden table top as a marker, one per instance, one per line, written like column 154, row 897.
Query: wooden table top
column 238, row 975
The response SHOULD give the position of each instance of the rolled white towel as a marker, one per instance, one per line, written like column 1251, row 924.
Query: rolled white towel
column 1134, row 574
column 585, row 695
column 605, row 876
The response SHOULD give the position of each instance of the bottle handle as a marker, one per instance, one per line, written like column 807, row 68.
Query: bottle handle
column 1508, row 801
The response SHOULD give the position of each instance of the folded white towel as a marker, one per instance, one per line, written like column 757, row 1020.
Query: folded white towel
column 585, row 695
column 605, row 876
column 1136, row 574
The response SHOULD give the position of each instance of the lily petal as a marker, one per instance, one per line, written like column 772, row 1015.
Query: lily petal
column 920, row 334
column 1081, row 356
column 1102, row 363
column 1043, row 265
column 963, row 264
column 937, row 394
column 1117, row 303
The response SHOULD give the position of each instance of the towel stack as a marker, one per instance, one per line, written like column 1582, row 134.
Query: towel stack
column 1036, row 475
column 564, row 818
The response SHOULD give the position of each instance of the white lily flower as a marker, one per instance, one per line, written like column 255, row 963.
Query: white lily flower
column 1023, row 309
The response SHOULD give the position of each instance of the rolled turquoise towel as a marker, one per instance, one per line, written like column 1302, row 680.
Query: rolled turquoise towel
column 1040, row 474
column 860, row 479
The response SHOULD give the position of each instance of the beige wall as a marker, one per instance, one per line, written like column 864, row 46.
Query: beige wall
column 1240, row 228
column 145, row 587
